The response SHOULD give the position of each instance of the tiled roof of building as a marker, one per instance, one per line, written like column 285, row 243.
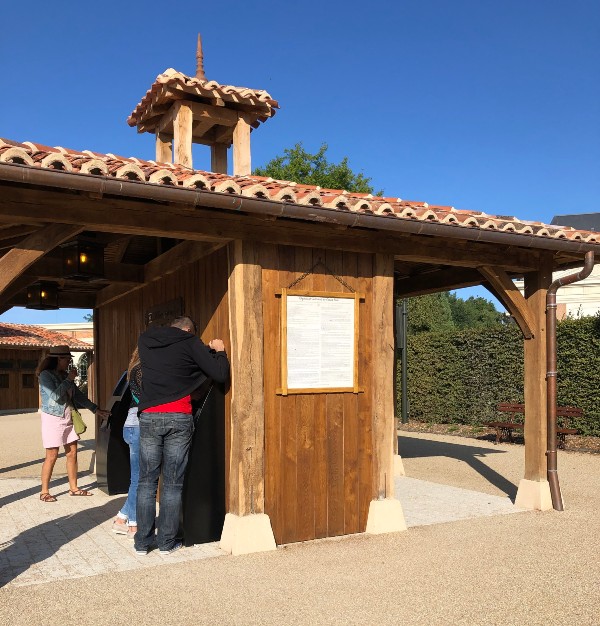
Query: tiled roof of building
column 153, row 173
column 26, row 336
column 208, row 90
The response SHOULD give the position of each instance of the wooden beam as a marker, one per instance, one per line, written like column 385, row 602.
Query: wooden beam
column 216, row 115
column 511, row 297
column 465, row 254
column 246, row 462
column 51, row 268
column 442, row 279
column 164, row 148
column 167, row 263
column 536, row 287
column 19, row 258
column 218, row 158
column 242, row 165
column 12, row 232
column 383, row 390
column 138, row 217
column 182, row 134
column 68, row 300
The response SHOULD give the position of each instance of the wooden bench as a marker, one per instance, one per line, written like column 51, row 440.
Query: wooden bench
column 504, row 429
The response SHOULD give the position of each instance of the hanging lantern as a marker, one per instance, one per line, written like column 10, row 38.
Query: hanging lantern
column 42, row 296
column 83, row 260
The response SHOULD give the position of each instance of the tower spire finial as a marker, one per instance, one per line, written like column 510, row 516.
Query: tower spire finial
column 200, row 60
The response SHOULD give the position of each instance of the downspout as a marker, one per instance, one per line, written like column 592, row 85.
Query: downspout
column 551, row 373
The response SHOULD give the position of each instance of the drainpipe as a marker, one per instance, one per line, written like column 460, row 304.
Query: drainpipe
column 557, row 502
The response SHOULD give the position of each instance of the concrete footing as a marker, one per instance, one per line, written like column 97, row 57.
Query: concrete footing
column 398, row 466
column 247, row 534
column 385, row 516
column 534, row 494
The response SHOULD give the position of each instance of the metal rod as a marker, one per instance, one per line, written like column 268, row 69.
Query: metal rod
column 404, row 365
column 551, row 373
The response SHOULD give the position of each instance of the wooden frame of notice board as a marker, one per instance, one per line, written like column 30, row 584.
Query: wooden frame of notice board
column 319, row 342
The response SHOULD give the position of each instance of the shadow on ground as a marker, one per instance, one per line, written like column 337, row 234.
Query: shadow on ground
column 414, row 448
column 39, row 543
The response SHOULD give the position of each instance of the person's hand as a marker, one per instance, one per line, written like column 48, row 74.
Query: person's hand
column 217, row 345
column 103, row 413
column 72, row 374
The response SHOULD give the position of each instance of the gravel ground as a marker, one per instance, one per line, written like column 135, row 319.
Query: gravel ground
column 526, row 568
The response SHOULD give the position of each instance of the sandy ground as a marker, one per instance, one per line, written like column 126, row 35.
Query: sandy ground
column 526, row 568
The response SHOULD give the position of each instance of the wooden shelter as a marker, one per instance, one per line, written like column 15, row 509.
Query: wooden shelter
column 226, row 249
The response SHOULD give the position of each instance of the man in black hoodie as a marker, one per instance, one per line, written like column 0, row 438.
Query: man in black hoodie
column 174, row 363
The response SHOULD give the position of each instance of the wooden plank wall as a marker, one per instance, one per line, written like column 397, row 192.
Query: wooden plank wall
column 203, row 287
column 16, row 396
column 318, row 448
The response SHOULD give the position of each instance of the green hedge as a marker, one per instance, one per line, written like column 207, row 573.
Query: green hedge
column 460, row 377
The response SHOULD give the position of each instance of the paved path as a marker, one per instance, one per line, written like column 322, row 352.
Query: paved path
column 72, row 538
column 463, row 561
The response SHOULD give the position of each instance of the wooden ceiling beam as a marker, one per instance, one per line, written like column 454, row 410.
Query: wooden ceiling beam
column 51, row 268
column 147, row 218
column 13, row 232
column 444, row 279
column 182, row 254
column 511, row 297
column 30, row 249
column 67, row 300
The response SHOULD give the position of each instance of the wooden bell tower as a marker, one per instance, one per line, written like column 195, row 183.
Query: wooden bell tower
column 181, row 110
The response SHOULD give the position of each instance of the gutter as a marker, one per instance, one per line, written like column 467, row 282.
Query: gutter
column 101, row 185
column 551, row 373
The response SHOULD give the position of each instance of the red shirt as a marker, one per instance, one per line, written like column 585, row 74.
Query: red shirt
column 183, row 405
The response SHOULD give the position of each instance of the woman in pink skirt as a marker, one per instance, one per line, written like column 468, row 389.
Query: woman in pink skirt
column 58, row 392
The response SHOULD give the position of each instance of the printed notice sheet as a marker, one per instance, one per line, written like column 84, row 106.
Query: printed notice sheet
column 320, row 342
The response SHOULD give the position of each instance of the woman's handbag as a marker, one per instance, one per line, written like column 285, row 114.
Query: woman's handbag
column 78, row 423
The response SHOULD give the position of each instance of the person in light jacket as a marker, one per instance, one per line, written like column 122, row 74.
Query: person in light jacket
column 58, row 392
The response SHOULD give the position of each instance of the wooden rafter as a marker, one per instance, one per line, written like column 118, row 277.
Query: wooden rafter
column 28, row 251
column 442, row 279
column 511, row 297
column 163, row 265
column 161, row 220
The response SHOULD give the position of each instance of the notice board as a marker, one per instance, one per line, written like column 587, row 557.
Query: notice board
column 319, row 342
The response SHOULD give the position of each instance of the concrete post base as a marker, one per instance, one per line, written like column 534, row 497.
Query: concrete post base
column 385, row 516
column 398, row 466
column 533, row 494
column 247, row 534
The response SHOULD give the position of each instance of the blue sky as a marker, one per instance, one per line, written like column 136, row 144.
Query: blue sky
column 490, row 106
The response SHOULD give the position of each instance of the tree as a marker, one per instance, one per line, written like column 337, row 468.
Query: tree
column 429, row 313
column 88, row 317
column 443, row 311
column 474, row 312
column 300, row 166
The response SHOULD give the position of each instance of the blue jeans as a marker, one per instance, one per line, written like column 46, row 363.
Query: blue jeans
column 164, row 445
column 131, row 435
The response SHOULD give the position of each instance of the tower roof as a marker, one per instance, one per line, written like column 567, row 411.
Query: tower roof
column 172, row 85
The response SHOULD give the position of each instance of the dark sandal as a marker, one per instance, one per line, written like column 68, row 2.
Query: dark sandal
column 46, row 497
column 80, row 492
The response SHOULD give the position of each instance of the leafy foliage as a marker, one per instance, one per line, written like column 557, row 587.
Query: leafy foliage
column 474, row 312
column 429, row 313
column 443, row 311
column 460, row 377
column 300, row 166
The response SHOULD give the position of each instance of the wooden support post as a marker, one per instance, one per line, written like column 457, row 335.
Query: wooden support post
column 247, row 528
column 385, row 512
column 218, row 158
column 182, row 134
column 241, row 147
column 534, row 491
column 164, row 148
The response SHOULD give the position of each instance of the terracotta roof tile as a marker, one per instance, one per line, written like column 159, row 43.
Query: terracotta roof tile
column 208, row 90
column 150, row 172
column 26, row 336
